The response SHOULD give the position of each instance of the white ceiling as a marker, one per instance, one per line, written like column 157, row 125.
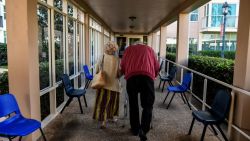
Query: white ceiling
column 148, row 13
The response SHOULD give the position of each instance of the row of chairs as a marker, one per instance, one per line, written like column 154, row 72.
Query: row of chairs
column 212, row 117
column 13, row 124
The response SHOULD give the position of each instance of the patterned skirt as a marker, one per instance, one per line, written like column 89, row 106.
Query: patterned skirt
column 106, row 105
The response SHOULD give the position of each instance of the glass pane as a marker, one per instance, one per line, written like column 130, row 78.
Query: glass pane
column 79, row 46
column 45, row 105
column 59, row 45
column 42, row 13
column 70, row 10
column 58, row 4
column 216, row 21
column 71, row 46
column 59, row 95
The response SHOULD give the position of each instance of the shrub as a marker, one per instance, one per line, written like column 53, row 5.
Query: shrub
column 3, row 54
column 4, row 84
column 218, row 68
column 217, row 53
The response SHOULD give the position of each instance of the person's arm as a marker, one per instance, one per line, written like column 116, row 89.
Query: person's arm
column 156, row 64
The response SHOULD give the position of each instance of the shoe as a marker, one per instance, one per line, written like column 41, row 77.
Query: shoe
column 134, row 132
column 142, row 136
column 102, row 125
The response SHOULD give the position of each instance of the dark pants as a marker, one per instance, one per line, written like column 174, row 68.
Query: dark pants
column 145, row 86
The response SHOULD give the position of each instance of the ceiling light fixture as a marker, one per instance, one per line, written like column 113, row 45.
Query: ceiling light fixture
column 132, row 18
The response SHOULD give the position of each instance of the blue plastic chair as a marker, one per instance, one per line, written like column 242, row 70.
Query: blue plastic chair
column 88, row 76
column 72, row 93
column 15, row 125
column 215, row 115
column 184, row 87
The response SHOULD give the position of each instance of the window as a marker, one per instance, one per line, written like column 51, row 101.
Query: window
column 60, row 44
column 217, row 15
column 194, row 16
column 1, row 21
column 4, row 12
column 43, row 45
column 59, row 49
column 58, row 4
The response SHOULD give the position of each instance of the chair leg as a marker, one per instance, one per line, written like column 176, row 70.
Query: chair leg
column 88, row 83
column 215, row 133
column 165, row 98
column 159, row 85
column 67, row 104
column 170, row 83
column 163, row 86
column 170, row 100
column 203, row 132
column 191, row 126
column 222, row 133
column 44, row 138
column 183, row 98
column 20, row 138
column 80, row 104
column 85, row 101
column 187, row 101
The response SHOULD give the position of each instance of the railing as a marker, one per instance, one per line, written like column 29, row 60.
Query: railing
column 204, row 97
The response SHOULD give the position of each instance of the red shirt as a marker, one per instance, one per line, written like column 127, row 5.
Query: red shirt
column 139, row 60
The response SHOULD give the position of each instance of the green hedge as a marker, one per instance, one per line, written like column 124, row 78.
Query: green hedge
column 4, row 84
column 218, row 68
column 3, row 54
column 217, row 53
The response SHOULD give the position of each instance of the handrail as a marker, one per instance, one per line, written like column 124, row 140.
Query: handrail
column 213, row 79
column 203, row 100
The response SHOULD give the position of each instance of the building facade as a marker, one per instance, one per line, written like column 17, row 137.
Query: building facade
column 3, row 35
column 205, row 27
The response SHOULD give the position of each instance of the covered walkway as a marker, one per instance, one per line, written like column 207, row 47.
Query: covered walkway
column 168, row 124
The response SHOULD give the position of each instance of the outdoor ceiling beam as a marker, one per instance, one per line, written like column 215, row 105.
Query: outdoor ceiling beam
column 186, row 7
column 86, row 8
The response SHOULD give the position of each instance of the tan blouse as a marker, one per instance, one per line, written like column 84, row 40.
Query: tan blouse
column 110, row 67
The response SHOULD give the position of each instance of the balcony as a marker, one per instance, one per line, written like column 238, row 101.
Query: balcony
column 213, row 23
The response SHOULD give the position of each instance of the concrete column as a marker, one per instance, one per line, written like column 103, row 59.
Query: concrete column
column 182, row 40
column 182, row 45
column 163, row 39
column 242, row 70
column 23, row 57
column 154, row 41
column 150, row 39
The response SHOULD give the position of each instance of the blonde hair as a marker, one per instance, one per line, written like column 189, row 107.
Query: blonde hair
column 111, row 47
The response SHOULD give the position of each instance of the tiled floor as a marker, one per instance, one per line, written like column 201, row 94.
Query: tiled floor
column 168, row 125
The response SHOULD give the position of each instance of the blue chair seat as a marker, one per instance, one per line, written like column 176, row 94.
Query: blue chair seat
column 78, row 92
column 15, row 125
column 206, row 117
column 26, row 125
column 176, row 89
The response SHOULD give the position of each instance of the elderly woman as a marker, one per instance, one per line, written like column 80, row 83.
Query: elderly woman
column 107, row 98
